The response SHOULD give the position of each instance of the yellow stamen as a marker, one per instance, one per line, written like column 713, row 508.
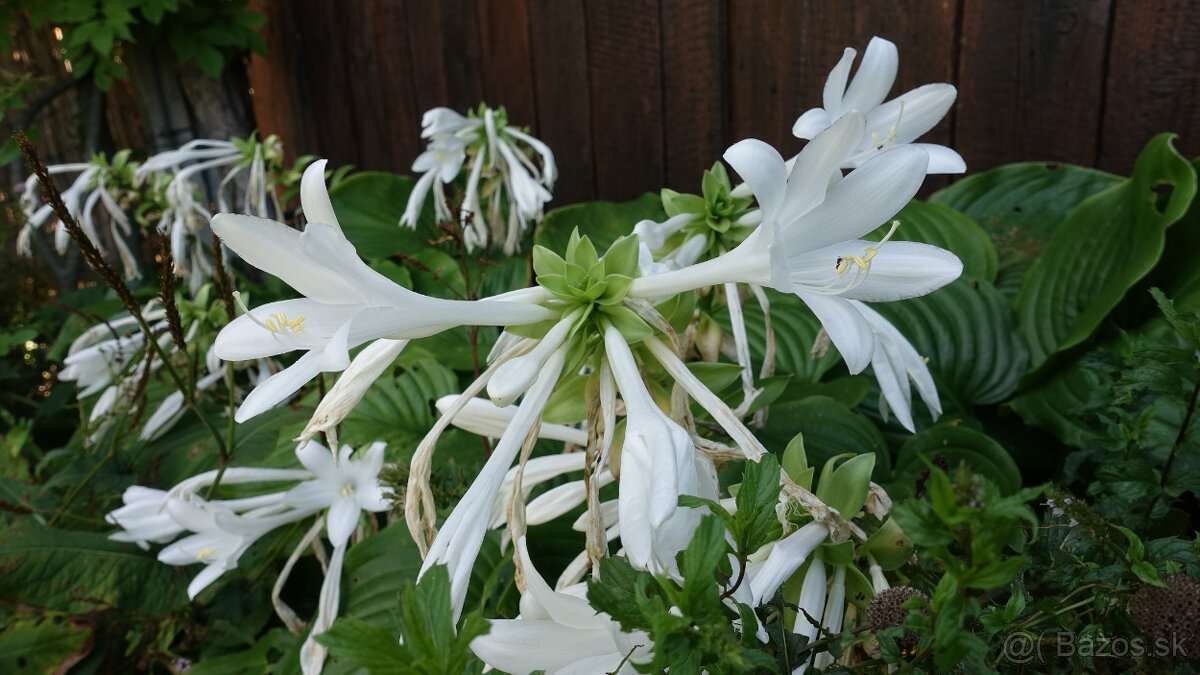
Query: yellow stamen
column 205, row 554
column 347, row 490
column 863, row 262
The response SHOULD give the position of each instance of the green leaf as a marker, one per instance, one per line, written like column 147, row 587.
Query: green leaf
column 755, row 522
column 81, row 572
column 845, row 488
column 944, row 227
column 1020, row 206
column 626, row 321
column 622, row 257
column 375, row 573
column 796, row 329
column 366, row 646
column 369, row 206
column 995, row 574
column 830, row 428
column 41, row 646
column 958, row 444
column 1103, row 248
column 968, row 332
column 602, row 222
column 400, row 409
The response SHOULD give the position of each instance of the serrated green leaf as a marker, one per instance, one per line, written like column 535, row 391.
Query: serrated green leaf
column 81, row 572
column 366, row 646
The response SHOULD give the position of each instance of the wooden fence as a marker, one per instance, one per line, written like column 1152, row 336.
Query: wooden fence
column 633, row 95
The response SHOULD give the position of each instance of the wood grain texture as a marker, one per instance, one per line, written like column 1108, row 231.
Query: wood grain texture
column 625, row 71
column 1152, row 80
column 1030, row 77
column 694, row 72
column 558, row 42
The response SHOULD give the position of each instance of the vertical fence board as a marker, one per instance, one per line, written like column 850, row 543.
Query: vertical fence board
column 625, row 69
column 276, row 81
column 1030, row 80
column 1152, row 83
column 563, row 98
column 693, row 89
column 764, row 72
column 507, row 62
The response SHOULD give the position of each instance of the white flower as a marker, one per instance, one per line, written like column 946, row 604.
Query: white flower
column 457, row 542
column 787, row 555
column 658, row 464
column 346, row 302
column 351, row 386
column 481, row 416
column 808, row 243
column 900, row 121
column 499, row 170
column 559, row 633
column 811, row 605
column 895, row 362
column 346, row 487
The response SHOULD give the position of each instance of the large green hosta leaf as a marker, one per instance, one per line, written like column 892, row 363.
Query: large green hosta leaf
column 602, row 222
column 1104, row 247
column 830, row 428
column 399, row 410
column 957, row 444
column 968, row 332
column 46, row 645
column 369, row 206
column 1021, row 206
column 796, row 329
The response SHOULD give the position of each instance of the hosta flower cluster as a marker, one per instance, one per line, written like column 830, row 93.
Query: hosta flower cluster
column 618, row 334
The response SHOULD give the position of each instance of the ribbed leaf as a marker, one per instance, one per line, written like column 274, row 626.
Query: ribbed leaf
column 967, row 330
column 376, row 571
column 796, row 329
column 1021, row 205
column 957, row 444
column 400, row 410
column 1104, row 247
column 830, row 428
column 41, row 646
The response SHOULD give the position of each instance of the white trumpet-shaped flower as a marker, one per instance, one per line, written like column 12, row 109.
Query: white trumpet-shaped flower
column 809, row 240
column 897, row 122
column 896, row 363
column 346, row 302
column 811, row 605
column 658, row 464
column 559, row 633
column 458, row 541
column 787, row 555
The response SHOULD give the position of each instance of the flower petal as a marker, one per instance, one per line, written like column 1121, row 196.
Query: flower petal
column 275, row 248
column 341, row 521
column 911, row 114
column 811, row 123
column 860, row 202
column 273, row 390
column 942, row 159
column 763, row 169
column 847, row 329
column 314, row 198
column 874, row 78
column 816, row 163
column 905, row 269
column 521, row 646
column 835, row 85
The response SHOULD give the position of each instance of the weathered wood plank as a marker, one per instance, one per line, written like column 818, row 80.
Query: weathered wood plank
column 507, row 62
column 563, row 97
column 1030, row 81
column 625, row 65
column 694, row 58
column 1152, row 80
